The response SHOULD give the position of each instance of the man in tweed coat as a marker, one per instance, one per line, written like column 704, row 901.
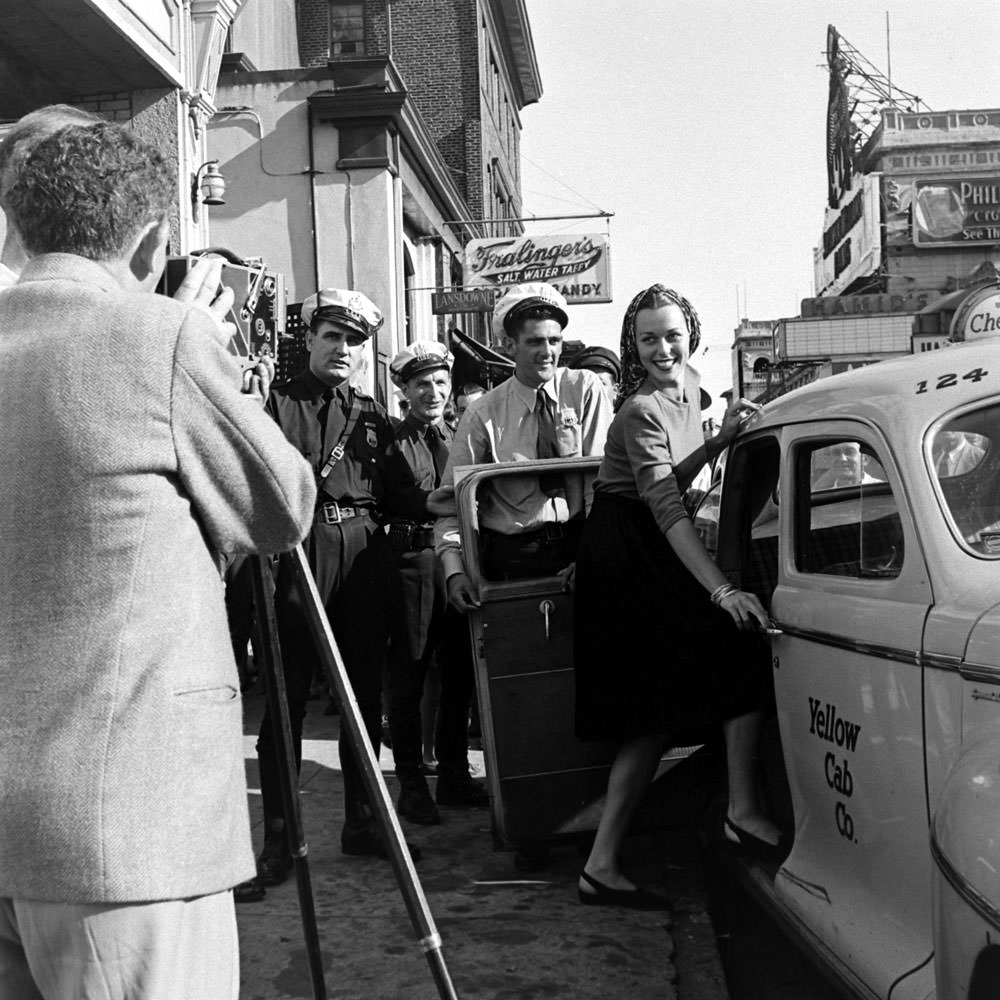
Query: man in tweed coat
column 130, row 460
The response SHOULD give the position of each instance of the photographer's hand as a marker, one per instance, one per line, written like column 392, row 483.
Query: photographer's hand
column 257, row 380
column 202, row 287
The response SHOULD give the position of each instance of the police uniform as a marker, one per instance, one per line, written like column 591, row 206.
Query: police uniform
column 427, row 628
column 362, row 477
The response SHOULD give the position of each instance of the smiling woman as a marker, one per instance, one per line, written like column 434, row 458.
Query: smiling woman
column 685, row 654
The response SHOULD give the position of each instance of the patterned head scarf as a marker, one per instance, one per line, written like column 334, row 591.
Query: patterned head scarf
column 654, row 297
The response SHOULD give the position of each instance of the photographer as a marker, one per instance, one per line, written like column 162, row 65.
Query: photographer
column 15, row 147
column 131, row 460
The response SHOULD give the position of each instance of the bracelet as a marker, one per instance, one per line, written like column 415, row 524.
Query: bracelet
column 722, row 592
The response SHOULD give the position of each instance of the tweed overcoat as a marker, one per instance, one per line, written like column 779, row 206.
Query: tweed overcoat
column 128, row 461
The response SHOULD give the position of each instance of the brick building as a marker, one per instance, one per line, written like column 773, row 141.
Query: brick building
column 364, row 142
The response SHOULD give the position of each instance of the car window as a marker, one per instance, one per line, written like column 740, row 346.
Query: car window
column 966, row 467
column 847, row 518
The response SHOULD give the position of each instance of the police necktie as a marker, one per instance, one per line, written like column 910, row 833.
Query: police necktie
column 547, row 446
column 439, row 451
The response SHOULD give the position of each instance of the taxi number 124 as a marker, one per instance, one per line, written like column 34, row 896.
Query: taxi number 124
column 947, row 381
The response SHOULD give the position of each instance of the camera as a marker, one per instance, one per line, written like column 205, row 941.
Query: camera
column 258, row 309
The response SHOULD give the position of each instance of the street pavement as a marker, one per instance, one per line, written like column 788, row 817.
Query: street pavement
column 507, row 935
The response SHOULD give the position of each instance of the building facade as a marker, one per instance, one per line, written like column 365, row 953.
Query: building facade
column 753, row 356
column 365, row 143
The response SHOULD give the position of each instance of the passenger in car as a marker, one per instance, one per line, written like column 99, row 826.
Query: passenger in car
column 955, row 454
column 846, row 465
column 678, row 650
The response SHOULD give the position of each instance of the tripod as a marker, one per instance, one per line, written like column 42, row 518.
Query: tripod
column 352, row 729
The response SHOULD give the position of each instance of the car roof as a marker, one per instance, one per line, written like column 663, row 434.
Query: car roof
column 902, row 392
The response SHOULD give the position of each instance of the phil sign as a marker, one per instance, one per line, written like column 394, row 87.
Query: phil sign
column 578, row 266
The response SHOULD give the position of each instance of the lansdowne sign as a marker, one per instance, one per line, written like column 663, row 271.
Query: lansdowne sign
column 579, row 266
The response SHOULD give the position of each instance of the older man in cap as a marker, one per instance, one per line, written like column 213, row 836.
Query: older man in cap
column 428, row 628
column 362, row 477
column 544, row 411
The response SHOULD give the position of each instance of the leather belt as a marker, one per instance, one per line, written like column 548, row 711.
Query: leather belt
column 410, row 537
column 333, row 512
column 550, row 533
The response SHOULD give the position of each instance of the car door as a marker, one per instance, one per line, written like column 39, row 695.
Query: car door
column 544, row 782
column 851, row 596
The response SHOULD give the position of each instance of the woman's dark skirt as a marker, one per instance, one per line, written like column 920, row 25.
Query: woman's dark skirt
column 652, row 654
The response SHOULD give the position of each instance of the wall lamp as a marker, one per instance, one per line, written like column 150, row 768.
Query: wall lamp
column 207, row 186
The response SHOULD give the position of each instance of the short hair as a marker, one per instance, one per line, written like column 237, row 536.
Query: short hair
column 89, row 191
column 21, row 137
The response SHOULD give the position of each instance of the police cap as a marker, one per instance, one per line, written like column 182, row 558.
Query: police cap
column 420, row 356
column 598, row 359
column 351, row 309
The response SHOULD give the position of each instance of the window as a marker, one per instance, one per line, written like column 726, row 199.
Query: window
column 347, row 29
column 967, row 468
column 847, row 519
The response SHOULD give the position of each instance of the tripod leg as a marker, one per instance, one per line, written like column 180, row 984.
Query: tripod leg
column 277, row 705
column 353, row 729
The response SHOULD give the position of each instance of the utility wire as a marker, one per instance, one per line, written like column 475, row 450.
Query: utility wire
column 562, row 182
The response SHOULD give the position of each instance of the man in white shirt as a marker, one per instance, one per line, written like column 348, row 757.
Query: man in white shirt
column 955, row 454
column 529, row 525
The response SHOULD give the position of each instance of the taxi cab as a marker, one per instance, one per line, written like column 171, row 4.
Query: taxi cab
column 864, row 511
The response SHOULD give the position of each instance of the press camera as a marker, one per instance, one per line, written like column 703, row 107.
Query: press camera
column 258, row 310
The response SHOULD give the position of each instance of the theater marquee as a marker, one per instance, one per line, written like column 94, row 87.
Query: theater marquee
column 579, row 266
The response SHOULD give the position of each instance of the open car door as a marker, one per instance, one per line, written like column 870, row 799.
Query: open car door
column 544, row 783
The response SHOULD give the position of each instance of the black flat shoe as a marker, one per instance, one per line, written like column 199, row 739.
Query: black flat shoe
column 631, row 899
column 753, row 846
column 273, row 866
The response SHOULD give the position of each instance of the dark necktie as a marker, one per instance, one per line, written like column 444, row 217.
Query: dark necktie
column 439, row 451
column 547, row 446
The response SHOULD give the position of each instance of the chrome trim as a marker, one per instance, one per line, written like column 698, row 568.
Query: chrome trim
column 980, row 673
column 987, row 910
column 840, row 642
column 942, row 661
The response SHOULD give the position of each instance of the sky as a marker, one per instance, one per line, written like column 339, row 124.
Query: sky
column 701, row 125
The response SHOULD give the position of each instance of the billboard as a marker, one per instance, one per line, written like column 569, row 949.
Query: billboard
column 956, row 212
column 578, row 266
column 852, row 238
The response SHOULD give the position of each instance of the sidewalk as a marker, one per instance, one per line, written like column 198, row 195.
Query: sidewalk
column 506, row 935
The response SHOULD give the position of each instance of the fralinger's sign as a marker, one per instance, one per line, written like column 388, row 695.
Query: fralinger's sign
column 579, row 266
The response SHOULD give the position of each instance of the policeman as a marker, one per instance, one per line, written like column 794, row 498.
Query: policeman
column 604, row 363
column 362, row 476
column 427, row 627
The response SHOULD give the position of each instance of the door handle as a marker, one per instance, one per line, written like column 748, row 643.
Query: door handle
column 546, row 608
